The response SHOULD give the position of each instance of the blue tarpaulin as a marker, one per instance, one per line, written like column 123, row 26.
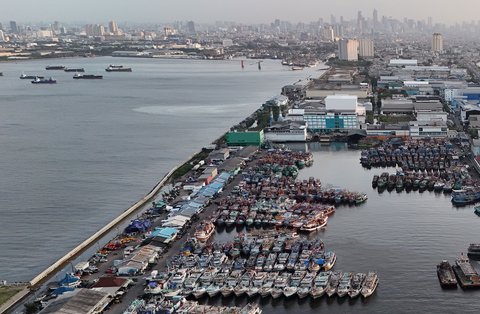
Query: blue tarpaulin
column 138, row 225
column 68, row 280
column 62, row 290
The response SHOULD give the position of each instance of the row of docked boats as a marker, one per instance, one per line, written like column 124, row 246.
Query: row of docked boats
column 434, row 154
column 212, row 282
column 272, row 264
column 414, row 181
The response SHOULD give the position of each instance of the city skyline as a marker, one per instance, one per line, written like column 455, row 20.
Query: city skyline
column 249, row 11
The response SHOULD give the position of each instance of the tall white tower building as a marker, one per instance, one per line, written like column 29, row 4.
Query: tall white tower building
column 437, row 42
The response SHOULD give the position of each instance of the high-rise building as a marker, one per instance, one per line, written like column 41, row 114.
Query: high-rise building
column 191, row 27
column 113, row 28
column 348, row 49
column 366, row 48
column 2, row 36
column 94, row 30
column 1, row 27
column 375, row 19
column 328, row 34
column 13, row 27
column 437, row 42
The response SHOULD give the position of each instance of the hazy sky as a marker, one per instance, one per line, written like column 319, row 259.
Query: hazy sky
column 247, row 11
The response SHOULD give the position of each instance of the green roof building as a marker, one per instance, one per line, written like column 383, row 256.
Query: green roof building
column 255, row 138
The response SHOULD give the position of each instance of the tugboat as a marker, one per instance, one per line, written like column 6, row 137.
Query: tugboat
column 370, row 284
column 44, row 81
column 446, row 276
column 474, row 251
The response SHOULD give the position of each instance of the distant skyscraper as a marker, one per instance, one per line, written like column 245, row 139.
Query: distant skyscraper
column 113, row 28
column 1, row 27
column 2, row 36
column 375, row 19
column 437, row 42
column 328, row 33
column 333, row 20
column 366, row 48
column 13, row 27
column 348, row 49
column 191, row 27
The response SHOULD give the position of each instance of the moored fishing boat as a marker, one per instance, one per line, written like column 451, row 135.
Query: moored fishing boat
column 306, row 285
column 344, row 284
column 332, row 286
column 370, row 284
column 320, row 284
column 356, row 285
column 204, row 231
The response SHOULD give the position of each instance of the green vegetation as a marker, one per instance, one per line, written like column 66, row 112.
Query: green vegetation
column 186, row 167
column 7, row 292
column 369, row 117
column 32, row 308
column 395, row 119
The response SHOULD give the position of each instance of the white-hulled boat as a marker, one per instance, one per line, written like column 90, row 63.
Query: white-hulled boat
column 329, row 260
column 333, row 283
column 231, row 282
column 344, row 285
column 370, row 284
column 320, row 284
column 280, row 284
column 306, row 285
column 268, row 283
column 356, row 285
column 294, row 284
column 244, row 284
column 315, row 224
column 256, row 283
column 204, row 231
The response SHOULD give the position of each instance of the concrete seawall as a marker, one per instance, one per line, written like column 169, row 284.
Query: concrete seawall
column 55, row 267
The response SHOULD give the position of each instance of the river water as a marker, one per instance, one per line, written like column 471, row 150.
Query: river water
column 402, row 236
column 76, row 154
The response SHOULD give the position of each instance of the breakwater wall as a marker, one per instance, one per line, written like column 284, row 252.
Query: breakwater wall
column 59, row 264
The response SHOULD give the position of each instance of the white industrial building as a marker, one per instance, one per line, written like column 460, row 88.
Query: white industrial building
column 340, row 112
column 403, row 62
column 433, row 128
column 348, row 49
column 287, row 131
